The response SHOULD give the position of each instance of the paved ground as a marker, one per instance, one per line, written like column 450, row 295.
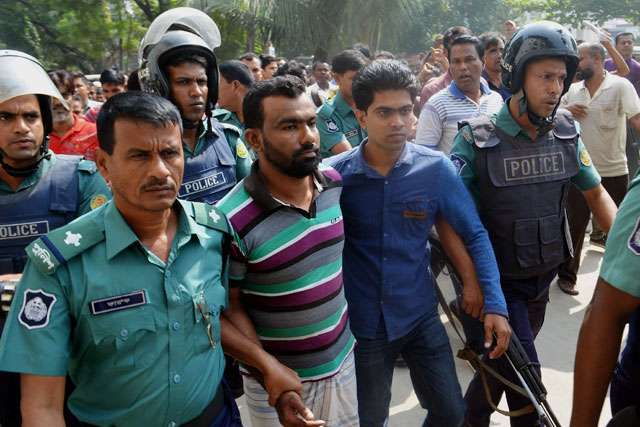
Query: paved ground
column 556, row 345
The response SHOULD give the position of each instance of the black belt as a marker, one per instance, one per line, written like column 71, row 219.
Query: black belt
column 211, row 412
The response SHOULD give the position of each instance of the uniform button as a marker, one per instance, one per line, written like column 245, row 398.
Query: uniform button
column 172, row 424
column 167, row 274
column 176, row 378
column 176, row 326
column 124, row 333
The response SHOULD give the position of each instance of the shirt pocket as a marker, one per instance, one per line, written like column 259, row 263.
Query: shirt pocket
column 609, row 117
column 206, row 311
column 127, row 337
column 415, row 216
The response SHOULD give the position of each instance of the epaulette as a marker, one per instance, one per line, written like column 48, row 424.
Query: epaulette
column 228, row 126
column 60, row 245
column 87, row 166
column 211, row 217
column 326, row 110
column 480, row 131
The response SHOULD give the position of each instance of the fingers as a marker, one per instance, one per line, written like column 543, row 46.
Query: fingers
column 500, row 326
column 293, row 413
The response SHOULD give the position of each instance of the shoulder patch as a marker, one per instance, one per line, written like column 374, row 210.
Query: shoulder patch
column 36, row 308
column 210, row 216
column 332, row 126
column 458, row 162
column 241, row 150
column 585, row 159
column 57, row 247
column 98, row 200
column 634, row 240
column 87, row 166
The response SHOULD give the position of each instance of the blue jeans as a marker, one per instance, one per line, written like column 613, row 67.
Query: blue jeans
column 427, row 353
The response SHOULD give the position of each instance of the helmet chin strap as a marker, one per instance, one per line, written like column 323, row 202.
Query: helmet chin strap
column 28, row 170
column 544, row 124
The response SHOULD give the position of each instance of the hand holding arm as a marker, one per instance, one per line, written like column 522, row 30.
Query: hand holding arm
column 494, row 323
column 293, row 413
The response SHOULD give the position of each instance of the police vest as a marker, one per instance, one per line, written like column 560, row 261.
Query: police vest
column 210, row 175
column 524, row 186
column 51, row 203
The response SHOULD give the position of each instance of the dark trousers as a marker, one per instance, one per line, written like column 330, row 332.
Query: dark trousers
column 579, row 213
column 526, row 303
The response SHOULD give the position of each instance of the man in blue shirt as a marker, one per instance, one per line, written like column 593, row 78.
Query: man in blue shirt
column 393, row 191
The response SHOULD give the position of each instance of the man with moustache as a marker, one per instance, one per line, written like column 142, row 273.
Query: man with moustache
column 624, row 45
column 39, row 191
column 286, row 258
column 518, row 165
column 177, row 61
column 71, row 134
column 465, row 98
column 602, row 103
column 130, row 298
column 320, row 90
column 252, row 61
column 394, row 192
column 493, row 44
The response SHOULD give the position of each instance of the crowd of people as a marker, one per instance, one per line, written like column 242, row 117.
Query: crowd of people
column 173, row 239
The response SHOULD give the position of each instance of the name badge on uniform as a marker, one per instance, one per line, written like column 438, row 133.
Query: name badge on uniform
column 351, row 133
column 119, row 302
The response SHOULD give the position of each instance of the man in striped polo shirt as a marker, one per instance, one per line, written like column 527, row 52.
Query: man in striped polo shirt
column 286, row 258
column 466, row 97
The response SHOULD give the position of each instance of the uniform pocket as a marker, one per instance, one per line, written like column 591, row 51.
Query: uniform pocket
column 126, row 336
column 525, row 236
column 552, row 245
column 206, row 308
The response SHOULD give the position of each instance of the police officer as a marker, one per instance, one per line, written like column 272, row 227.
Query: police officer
column 337, row 123
column 176, row 61
column 129, row 297
column 518, row 165
column 39, row 191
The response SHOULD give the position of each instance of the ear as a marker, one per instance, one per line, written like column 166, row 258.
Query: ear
column 101, row 159
column 361, row 115
column 235, row 85
column 254, row 139
column 337, row 78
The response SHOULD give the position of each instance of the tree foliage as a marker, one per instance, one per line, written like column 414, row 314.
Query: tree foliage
column 572, row 12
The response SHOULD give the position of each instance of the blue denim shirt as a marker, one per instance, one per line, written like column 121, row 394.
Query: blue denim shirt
column 387, row 222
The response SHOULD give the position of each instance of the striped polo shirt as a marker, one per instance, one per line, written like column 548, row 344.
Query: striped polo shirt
column 288, row 265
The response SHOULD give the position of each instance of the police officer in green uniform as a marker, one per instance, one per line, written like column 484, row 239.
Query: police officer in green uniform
column 337, row 124
column 129, row 297
column 235, row 81
column 39, row 191
column 177, row 61
column 518, row 165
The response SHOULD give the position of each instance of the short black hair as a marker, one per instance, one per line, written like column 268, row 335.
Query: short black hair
column 249, row 56
column 315, row 64
column 113, row 76
column 62, row 78
column 265, row 60
column 235, row 70
column 363, row 49
column 491, row 39
column 379, row 76
column 453, row 33
column 174, row 59
column 626, row 33
column 136, row 106
column 81, row 76
column 467, row 39
column 385, row 53
column 287, row 86
column 292, row 68
column 348, row 60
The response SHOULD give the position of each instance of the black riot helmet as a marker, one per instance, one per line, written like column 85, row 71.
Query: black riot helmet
column 178, row 30
column 22, row 74
column 538, row 40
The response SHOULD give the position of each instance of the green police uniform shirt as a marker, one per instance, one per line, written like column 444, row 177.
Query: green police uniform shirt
column 92, row 188
column 621, row 262
column 464, row 157
column 336, row 123
column 239, row 150
column 128, row 327
column 229, row 118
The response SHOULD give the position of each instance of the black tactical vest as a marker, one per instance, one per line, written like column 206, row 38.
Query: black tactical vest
column 524, row 186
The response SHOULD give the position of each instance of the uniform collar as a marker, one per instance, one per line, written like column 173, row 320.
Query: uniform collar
column 254, row 186
column 341, row 105
column 361, row 166
column 32, row 179
column 202, row 138
column 119, row 235
column 457, row 93
column 508, row 124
